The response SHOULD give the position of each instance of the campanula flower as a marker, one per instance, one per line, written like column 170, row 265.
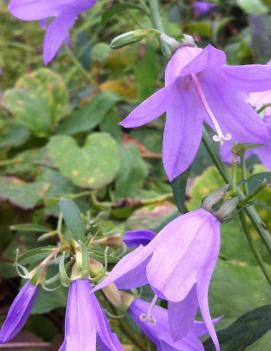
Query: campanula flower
column 63, row 12
column 158, row 331
column 200, row 87
column 201, row 8
column 19, row 312
column 86, row 324
column 178, row 264
column 134, row 238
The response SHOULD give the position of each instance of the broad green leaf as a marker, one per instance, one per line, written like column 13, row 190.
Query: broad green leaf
column 244, row 331
column 93, row 166
column 73, row 219
column 19, row 193
column 50, row 300
column 236, row 288
column 89, row 116
column 132, row 174
column 14, row 135
column 38, row 101
column 254, row 7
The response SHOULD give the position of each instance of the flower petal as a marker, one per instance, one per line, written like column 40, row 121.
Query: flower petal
column 57, row 33
column 182, row 133
column 134, row 238
column 264, row 154
column 248, row 78
column 182, row 314
column 148, row 110
column 204, row 281
column 19, row 312
column 134, row 262
column 231, row 110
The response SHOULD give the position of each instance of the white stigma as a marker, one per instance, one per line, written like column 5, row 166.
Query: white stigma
column 219, row 137
column 147, row 317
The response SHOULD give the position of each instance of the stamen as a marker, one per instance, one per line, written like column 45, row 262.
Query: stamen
column 219, row 137
column 147, row 317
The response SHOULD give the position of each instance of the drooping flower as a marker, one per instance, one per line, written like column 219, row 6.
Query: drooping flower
column 201, row 8
column 86, row 324
column 178, row 264
column 19, row 312
column 158, row 331
column 200, row 87
column 64, row 12
column 134, row 238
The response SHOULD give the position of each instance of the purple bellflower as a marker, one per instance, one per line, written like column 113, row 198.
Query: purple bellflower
column 178, row 264
column 200, row 87
column 86, row 324
column 19, row 312
column 153, row 321
column 64, row 12
column 134, row 238
column 202, row 8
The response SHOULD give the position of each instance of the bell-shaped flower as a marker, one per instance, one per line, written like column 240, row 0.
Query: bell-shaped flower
column 200, row 87
column 86, row 325
column 135, row 238
column 201, row 8
column 19, row 312
column 156, row 328
column 63, row 12
column 178, row 264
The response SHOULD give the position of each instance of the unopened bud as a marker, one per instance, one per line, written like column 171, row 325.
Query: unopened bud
column 131, row 37
column 227, row 209
column 113, row 294
column 214, row 198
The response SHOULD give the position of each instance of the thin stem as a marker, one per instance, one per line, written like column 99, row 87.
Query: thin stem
column 244, row 173
column 253, row 248
column 79, row 66
column 157, row 23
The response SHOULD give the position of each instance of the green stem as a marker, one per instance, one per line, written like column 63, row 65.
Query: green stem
column 157, row 23
column 244, row 173
column 79, row 66
column 253, row 248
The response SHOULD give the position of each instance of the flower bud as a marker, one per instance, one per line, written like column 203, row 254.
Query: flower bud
column 130, row 38
column 214, row 198
column 227, row 209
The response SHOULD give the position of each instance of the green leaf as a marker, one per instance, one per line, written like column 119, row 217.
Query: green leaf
column 19, row 193
column 38, row 101
column 179, row 188
column 73, row 219
column 257, row 179
column 30, row 227
column 132, row 174
column 50, row 300
column 14, row 135
column 254, row 7
column 89, row 116
column 244, row 331
column 93, row 166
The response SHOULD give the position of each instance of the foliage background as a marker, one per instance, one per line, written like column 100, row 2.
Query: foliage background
column 59, row 137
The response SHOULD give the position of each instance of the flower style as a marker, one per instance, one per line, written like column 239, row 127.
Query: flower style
column 201, row 8
column 158, row 329
column 19, row 312
column 178, row 264
column 134, row 238
column 86, row 324
column 200, row 87
column 65, row 13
